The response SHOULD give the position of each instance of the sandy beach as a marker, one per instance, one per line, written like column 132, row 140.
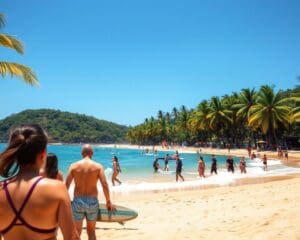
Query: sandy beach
column 261, row 208
column 267, row 210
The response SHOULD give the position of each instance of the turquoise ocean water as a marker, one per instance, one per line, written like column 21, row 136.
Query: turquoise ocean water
column 138, row 175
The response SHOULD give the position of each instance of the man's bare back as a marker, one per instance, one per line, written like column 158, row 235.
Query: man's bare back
column 86, row 174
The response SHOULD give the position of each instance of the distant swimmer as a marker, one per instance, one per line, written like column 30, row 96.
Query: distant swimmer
column 201, row 167
column 179, row 169
column 213, row 165
column 243, row 165
column 265, row 162
column 117, row 170
column 167, row 162
column 230, row 164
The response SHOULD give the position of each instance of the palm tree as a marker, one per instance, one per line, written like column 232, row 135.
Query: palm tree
column 218, row 115
column 247, row 99
column 270, row 110
column 15, row 69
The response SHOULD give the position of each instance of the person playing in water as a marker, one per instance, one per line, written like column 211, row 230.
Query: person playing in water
column 230, row 164
column 51, row 169
column 86, row 174
column 179, row 169
column 32, row 207
column 176, row 155
column 116, row 171
column 213, row 165
column 243, row 165
column 156, row 165
column 166, row 162
column 265, row 162
column 201, row 167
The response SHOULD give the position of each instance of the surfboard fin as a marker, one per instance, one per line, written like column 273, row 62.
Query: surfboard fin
column 122, row 223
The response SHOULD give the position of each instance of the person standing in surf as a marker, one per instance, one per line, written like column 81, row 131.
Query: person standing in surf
column 201, row 167
column 86, row 174
column 243, row 165
column 230, row 164
column 116, row 169
column 179, row 169
column 213, row 168
column 166, row 162
column 265, row 162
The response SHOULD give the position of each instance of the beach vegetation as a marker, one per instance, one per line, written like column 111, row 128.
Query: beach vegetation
column 66, row 127
column 239, row 119
column 14, row 69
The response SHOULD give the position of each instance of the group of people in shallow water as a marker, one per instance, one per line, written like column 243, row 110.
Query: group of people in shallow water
column 230, row 165
column 34, row 200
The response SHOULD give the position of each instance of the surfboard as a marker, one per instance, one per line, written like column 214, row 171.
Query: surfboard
column 121, row 214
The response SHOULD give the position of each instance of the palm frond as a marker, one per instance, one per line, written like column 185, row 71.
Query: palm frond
column 18, row 70
column 11, row 42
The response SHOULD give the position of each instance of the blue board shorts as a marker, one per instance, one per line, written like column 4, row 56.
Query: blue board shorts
column 85, row 207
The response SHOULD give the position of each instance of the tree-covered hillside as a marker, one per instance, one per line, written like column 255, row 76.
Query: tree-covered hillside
column 66, row 127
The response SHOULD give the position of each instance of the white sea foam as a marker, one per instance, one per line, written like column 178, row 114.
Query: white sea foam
column 254, row 169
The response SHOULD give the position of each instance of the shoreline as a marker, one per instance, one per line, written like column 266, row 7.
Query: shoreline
column 293, row 158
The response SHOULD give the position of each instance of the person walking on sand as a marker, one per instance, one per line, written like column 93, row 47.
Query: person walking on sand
column 116, row 169
column 243, row 165
column 86, row 174
column 265, row 162
column 32, row 207
column 201, row 167
column 51, row 168
column 179, row 169
column 213, row 165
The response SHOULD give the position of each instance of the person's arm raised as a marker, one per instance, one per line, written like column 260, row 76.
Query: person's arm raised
column 65, row 218
column 105, row 188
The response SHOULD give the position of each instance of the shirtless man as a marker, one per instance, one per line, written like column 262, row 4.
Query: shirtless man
column 86, row 174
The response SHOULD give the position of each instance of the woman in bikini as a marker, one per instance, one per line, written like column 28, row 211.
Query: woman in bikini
column 31, row 207
column 51, row 168
column 201, row 167
column 117, row 170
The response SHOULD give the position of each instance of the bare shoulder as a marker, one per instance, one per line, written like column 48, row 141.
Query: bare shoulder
column 54, row 187
column 98, row 165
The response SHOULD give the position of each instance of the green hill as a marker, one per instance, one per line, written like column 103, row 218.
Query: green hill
column 66, row 127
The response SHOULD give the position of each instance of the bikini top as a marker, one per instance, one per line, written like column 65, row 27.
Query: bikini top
column 19, row 212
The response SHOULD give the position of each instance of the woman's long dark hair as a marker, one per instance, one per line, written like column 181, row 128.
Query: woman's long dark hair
column 25, row 143
column 51, row 168
column 118, row 165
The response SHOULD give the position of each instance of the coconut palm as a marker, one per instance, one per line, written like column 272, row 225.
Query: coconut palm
column 219, row 115
column 13, row 69
column 247, row 99
column 270, row 110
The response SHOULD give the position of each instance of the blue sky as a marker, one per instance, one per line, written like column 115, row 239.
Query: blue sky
column 123, row 61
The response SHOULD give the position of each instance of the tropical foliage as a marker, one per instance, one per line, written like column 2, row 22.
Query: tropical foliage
column 13, row 69
column 239, row 119
column 66, row 127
